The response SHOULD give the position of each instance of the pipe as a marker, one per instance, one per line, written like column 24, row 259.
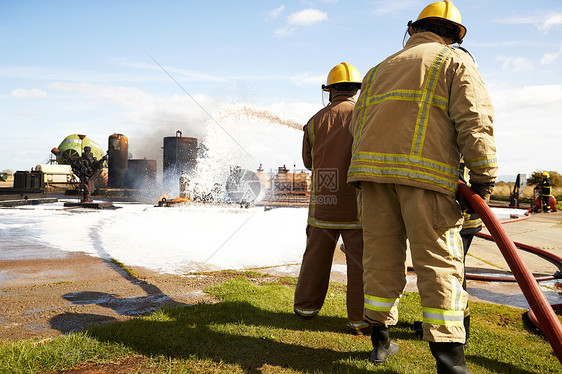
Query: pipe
column 540, row 306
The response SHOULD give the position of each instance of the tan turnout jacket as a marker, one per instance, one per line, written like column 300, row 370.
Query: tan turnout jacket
column 326, row 150
column 418, row 111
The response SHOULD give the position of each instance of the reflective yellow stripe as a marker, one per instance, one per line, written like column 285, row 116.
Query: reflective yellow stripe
column 363, row 106
column 406, row 95
column 471, row 223
column 358, row 324
column 459, row 297
column 404, row 173
column 427, row 98
column 440, row 102
column 311, row 133
column 482, row 162
column 380, row 304
column 390, row 158
column 443, row 317
column 452, row 239
column 333, row 225
column 307, row 312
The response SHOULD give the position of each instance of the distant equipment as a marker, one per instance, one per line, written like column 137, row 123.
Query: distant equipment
column 180, row 154
column 518, row 187
column 117, row 161
column 29, row 180
column 72, row 147
column 244, row 186
column 57, row 175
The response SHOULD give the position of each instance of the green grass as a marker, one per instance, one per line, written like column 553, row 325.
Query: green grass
column 253, row 330
column 127, row 269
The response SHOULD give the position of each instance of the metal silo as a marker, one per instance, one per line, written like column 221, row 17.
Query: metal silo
column 118, row 152
column 180, row 154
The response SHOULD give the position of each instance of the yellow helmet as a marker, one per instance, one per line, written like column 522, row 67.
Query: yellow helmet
column 443, row 11
column 342, row 73
column 545, row 174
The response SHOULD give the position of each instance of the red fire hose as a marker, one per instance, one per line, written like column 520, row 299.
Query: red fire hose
column 547, row 319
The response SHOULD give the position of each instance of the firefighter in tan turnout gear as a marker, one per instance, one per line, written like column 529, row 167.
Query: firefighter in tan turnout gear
column 419, row 110
column 332, row 211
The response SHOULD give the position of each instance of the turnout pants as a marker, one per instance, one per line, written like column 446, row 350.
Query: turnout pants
column 315, row 270
column 431, row 221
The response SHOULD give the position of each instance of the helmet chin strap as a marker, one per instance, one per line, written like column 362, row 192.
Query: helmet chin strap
column 406, row 33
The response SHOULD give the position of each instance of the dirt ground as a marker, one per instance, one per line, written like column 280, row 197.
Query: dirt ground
column 49, row 297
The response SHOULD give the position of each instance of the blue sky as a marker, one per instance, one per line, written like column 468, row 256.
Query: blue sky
column 86, row 67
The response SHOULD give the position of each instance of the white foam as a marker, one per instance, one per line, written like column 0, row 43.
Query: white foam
column 171, row 240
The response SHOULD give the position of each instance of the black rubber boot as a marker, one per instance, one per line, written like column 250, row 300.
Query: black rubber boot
column 418, row 329
column 449, row 357
column 382, row 346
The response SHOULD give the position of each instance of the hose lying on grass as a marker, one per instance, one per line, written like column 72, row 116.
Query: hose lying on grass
column 540, row 307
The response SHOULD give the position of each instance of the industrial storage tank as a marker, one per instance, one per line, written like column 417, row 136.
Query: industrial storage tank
column 141, row 173
column 118, row 152
column 180, row 154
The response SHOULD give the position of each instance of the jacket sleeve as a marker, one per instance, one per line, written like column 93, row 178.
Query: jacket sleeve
column 472, row 113
column 306, row 149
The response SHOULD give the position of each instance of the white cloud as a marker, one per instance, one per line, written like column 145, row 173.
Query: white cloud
column 551, row 21
column 545, row 23
column 140, row 112
column 34, row 93
column 305, row 17
column 284, row 31
column 307, row 79
column 549, row 58
column 276, row 12
column 520, row 20
column 518, row 64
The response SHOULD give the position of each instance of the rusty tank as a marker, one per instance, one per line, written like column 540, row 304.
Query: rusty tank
column 118, row 154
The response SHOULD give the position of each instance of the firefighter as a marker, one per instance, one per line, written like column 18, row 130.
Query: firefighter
column 326, row 151
column 418, row 111
column 546, row 191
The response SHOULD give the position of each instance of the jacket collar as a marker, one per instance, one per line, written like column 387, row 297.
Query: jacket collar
column 424, row 37
column 341, row 98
